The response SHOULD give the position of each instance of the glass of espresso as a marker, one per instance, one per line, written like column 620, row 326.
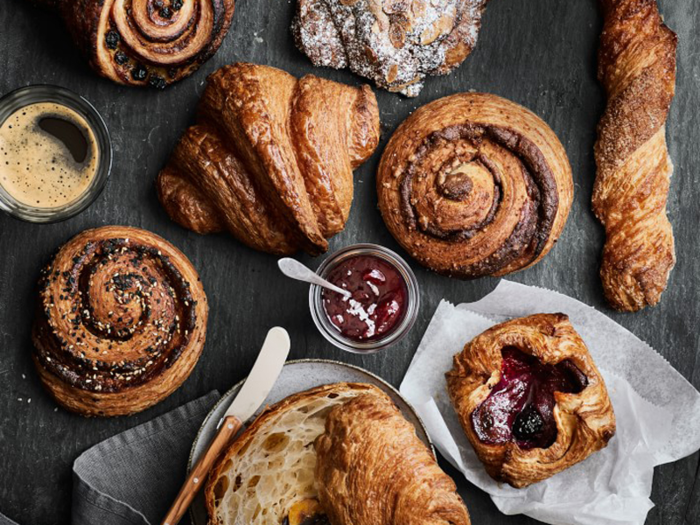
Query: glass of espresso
column 55, row 153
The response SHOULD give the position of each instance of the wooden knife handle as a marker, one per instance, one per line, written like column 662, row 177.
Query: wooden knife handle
column 227, row 431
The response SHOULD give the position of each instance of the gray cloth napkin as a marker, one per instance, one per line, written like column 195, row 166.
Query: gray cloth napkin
column 133, row 477
column 6, row 521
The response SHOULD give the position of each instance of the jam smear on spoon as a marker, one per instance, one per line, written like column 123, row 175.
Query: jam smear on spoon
column 377, row 304
column 519, row 407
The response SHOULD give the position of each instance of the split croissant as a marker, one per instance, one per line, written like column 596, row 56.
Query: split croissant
column 141, row 43
column 373, row 470
column 346, row 445
column 637, row 67
column 271, row 158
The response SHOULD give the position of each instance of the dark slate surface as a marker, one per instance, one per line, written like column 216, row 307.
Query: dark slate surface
column 540, row 53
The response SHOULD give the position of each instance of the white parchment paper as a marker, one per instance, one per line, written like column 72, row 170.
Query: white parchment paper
column 657, row 411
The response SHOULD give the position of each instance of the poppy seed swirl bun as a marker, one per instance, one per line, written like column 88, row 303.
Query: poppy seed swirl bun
column 474, row 185
column 121, row 322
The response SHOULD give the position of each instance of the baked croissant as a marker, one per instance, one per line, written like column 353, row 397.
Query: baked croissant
column 146, row 42
column 474, row 185
column 121, row 322
column 373, row 470
column 530, row 399
column 270, row 466
column 394, row 43
column 637, row 67
column 271, row 158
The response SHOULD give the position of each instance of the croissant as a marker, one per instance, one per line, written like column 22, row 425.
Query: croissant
column 394, row 43
column 373, row 470
column 530, row 399
column 474, row 185
column 637, row 67
column 146, row 42
column 121, row 322
column 271, row 464
column 270, row 159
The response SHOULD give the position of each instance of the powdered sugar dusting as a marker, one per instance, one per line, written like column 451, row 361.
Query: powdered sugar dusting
column 396, row 43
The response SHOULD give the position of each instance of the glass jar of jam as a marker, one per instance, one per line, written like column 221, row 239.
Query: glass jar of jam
column 382, row 301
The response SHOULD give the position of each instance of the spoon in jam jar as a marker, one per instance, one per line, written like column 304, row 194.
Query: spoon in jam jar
column 295, row 270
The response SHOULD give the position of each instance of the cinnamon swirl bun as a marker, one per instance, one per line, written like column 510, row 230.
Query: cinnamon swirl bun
column 121, row 322
column 146, row 42
column 474, row 185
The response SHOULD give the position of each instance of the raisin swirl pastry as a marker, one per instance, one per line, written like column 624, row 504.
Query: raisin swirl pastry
column 121, row 322
column 637, row 67
column 372, row 469
column 146, row 42
column 474, row 185
column 530, row 399
column 270, row 159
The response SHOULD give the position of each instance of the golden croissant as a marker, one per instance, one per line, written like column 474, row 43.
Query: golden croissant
column 270, row 159
column 373, row 470
column 292, row 455
column 530, row 399
column 637, row 67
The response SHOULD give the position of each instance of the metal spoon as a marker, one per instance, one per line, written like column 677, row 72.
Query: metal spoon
column 294, row 269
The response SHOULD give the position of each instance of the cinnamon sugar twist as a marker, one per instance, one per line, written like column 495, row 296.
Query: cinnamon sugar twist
column 637, row 67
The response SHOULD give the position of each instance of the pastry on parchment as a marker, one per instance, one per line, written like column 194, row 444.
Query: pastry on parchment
column 530, row 399
column 637, row 67
column 271, row 158
column 396, row 43
column 473, row 185
column 146, row 42
column 121, row 321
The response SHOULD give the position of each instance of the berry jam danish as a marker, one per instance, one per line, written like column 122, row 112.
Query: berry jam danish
column 530, row 399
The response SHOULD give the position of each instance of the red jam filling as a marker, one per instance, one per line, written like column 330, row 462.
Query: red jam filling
column 378, row 301
column 519, row 407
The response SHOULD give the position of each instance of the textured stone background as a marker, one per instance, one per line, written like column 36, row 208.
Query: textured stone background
column 540, row 53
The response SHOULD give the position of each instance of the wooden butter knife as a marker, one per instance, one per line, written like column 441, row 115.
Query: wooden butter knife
column 252, row 394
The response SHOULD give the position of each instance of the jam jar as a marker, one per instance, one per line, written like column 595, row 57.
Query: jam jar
column 382, row 301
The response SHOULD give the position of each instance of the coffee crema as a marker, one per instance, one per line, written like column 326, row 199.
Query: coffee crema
column 48, row 155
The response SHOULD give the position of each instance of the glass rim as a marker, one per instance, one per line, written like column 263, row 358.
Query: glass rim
column 36, row 93
column 324, row 325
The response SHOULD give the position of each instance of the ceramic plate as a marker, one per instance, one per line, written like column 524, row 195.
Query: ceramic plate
column 297, row 376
